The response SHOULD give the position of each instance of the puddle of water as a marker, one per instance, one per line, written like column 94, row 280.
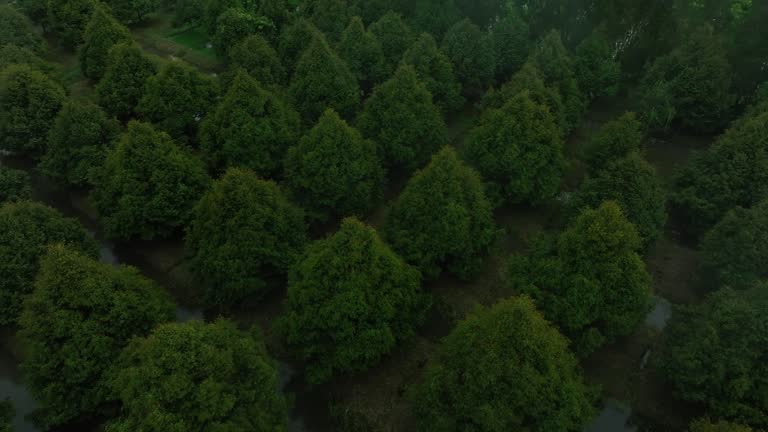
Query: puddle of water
column 614, row 417
column 659, row 316
column 12, row 388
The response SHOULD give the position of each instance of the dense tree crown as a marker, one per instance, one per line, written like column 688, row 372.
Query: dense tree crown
column 436, row 72
column 251, row 127
column 259, row 59
column 519, row 150
column 732, row 172
column 234, row 25
column 17, row 29
column 734, row 251
column 715, row 354
column 395, row 37
column 197, row 376
column 596, row 68
column 147, row 185
column 294, row 39
column 11, row 54
column 14, row 185
column 511, row 43
column 721, row 426
column 78, row 142
column 101, row 34
column 29, row 101
column 509, row 346
column 401, row 118
column 557, row 70
column 68, row 18
column 79, row 317
column 133, row 11
column 322, row 80
column 243, row 232
column 362, row 52
column 333, row 171
column 26, row 229
column 472, row 56
column 176, row 98
column 122, row 86
column 635, row 186
column 350, row 300
column 590, row 281
column 528, row 79
column 691, row 84
column 614, row 140
column 442, row 220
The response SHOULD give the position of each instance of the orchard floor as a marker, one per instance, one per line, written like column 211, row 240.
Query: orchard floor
column 378, row 400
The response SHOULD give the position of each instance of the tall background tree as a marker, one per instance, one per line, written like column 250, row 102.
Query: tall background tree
column 442, row 220
column 395, row 37
column 251, row 127
column 17, row 29
column 122, row 86
column 29, row 101
column 244, row 234
column 78, row 143
column 471, row 53
column 436, row 72
column 362, row 52
column 101, row 34
column 14, row 185
column 232, row 385
column 401, row 118
column 504, row 368
column 334, row 171
column 67, row 20
column 518, row 150
column 26, row 229
column 74, row 324
column 350, row 301
column 590, row 281
column 147, row 185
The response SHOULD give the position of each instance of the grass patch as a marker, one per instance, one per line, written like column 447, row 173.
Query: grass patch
column 193, row 38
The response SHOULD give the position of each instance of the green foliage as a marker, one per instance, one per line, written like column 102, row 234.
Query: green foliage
column 705, row 425
column 481, row 12
column 243, row 232
column 442, row 220
column 432, row 16
column 590, row 281
column 518, row 149
column 259, row 59
column 504, row 369
column 74, row 324
column 556, row 67
column 213, row 9
column 7, row 412
column 634, row 185
column 147, row 186
column 26, row 228
column 715, row 354
column 14, row 185
column 363, row 54
column 68, row 18
column 176, row 98
column 197, row 376
column 471, row 53
column 334, row 171
column 188, row 12
column 596, row 68
column 330, row 16
column 350, row 301
column 11, row 54
column 29, row 101
column 101, row 34
column 234, row 25
column 401, row 118
column 511, row 43
column 294, row 40
column 614, row 140
column 133, row 11
column 734, row 252
column 322, row 80
column 36, row 10
column 395, row 37
column 251, row 127
column 78, row 143
column 694, row 84
column 122, row 86
column 17, row 29
column 434, row 69
column 528, row 79
column 732, row 172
